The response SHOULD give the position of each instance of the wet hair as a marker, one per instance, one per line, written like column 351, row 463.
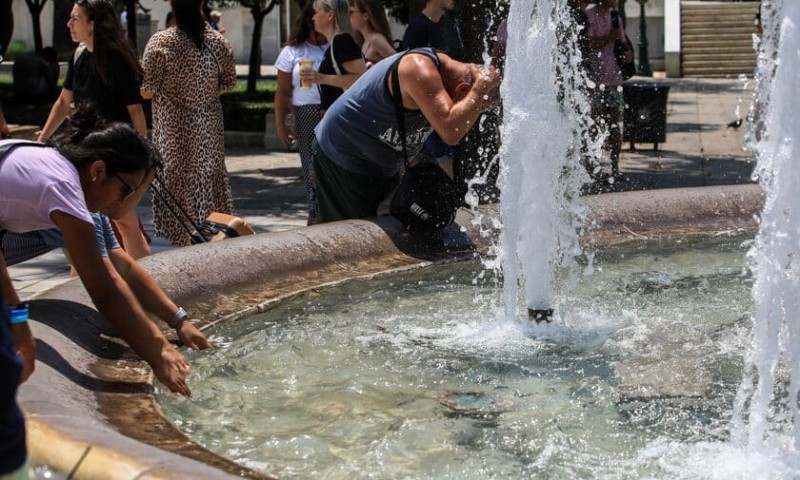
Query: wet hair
column 377, row 16
column 88, row 137
column 190, row 20
column 303, row 29
column 109, row 42
column 341, row 14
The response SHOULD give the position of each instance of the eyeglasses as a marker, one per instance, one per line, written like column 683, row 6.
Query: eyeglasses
column 128, row 189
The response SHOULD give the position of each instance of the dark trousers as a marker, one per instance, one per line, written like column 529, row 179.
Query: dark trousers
column 343, row 195
column 12, row 426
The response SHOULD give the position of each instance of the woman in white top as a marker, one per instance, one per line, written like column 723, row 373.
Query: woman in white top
column 368, row 18
column 304, row 43
column 93, row 168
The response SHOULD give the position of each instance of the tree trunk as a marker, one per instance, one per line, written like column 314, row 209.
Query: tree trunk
column 254, row 65
column 130, row 8
column 62, row 41
column 6, row 25
column 36, row 9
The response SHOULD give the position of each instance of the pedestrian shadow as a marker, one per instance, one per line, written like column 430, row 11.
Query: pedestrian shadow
column 261, row 188
column 49, row 356
column 82, row 325
column 692, row 172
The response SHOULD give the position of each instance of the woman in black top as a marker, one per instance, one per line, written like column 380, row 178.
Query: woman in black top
column 105, row 71
column 331, row 18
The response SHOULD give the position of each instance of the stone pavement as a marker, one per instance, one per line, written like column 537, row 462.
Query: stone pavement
column 700, row 150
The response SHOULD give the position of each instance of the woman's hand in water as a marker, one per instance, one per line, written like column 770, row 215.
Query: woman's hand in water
column 193, row 338
column 172, row 370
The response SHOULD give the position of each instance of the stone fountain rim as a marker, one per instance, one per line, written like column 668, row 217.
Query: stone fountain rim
column 89, row 406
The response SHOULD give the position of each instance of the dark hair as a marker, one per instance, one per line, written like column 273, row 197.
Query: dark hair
column 189, row 19
column 109, row 41
column 377, row 16
column 303, row 28
column 88, row 137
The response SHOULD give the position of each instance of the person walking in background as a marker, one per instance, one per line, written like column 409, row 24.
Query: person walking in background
column 604, row 30
column 93, row 166
column 104, row 70
column 185, row 70
column 343, row 61
column 304, row 44
column 214, row 17
column 368, row 18
column 425, row 30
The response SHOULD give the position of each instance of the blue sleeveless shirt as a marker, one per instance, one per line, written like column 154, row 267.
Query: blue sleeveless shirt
column 359, row 133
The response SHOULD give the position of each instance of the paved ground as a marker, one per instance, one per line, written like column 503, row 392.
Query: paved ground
column 700, row 150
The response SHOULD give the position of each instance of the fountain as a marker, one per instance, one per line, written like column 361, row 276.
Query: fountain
column 511, row 397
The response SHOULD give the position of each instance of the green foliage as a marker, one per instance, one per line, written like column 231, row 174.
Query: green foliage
column 246, row 111
column 242, row 111
column 15, row 48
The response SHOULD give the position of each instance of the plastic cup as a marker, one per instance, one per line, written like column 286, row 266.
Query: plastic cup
column 306, row 65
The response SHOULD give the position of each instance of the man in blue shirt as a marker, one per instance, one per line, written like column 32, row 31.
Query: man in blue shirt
column 358, row 151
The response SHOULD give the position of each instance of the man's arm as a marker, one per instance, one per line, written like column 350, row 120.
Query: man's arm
column 422, row 87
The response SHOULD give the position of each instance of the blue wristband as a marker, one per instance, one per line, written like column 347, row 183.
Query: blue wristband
column 18, row 314
column 178, row 318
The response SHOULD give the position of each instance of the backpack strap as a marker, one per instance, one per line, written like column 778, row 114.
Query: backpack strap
column 397, row 96
column 7, row 147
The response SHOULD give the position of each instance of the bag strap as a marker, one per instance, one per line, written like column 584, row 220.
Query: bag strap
column 9, row 147
column 78, row 52
column 161, row 190
column 333, row 59
column 397, row 97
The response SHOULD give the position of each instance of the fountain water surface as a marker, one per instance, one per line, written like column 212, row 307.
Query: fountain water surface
column 637, row 378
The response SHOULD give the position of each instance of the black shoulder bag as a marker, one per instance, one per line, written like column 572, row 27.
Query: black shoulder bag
column 426, row 198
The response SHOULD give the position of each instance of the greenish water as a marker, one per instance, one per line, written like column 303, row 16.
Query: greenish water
column 417, row 376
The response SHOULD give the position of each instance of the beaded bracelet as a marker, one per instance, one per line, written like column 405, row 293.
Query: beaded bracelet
column 178, row 318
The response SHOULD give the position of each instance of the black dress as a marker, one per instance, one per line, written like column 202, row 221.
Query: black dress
column 111, row 100
column 344, row 49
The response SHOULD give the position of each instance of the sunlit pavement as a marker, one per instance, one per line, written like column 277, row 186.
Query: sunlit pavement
column 700, row 150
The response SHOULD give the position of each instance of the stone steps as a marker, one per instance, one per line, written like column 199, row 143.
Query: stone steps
column 717, row 38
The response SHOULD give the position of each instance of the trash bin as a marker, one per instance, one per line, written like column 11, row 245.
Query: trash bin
column 645, row 117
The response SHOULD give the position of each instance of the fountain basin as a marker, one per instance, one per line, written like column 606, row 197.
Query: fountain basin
column 90, row 402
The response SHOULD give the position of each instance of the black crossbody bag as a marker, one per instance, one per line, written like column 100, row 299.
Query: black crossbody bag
column 426, row 198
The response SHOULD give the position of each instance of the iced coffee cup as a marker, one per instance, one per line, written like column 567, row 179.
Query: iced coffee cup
column 306, row 65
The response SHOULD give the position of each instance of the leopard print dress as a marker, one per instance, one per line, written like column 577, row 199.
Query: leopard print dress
column 187, row 124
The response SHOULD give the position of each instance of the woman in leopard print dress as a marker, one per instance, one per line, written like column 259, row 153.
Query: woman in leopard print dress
column 186, row 67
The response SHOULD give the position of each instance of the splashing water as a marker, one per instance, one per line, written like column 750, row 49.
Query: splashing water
column 540, row 155
column 767, row 421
